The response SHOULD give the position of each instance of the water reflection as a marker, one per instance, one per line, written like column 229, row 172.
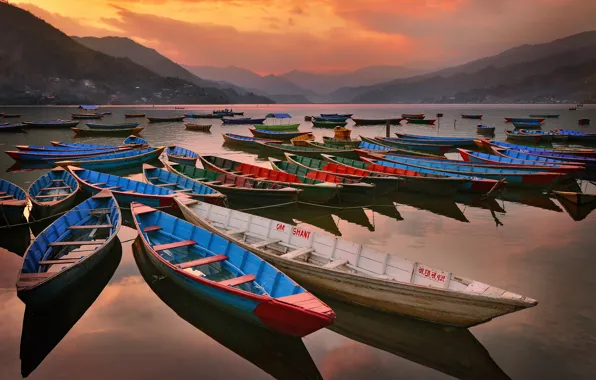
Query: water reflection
column 451, row 350
column 530, row 198
column 575, row 211
column 282, row 357
column 15, row 239
column 443, row 206
column 43, row 329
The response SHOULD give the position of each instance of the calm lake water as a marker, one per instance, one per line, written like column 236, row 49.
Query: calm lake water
column 127, row 323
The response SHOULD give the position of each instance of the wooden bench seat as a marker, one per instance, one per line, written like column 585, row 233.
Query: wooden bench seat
column 151, row 228
column 203, row 261
column 200, row 179
column 297, row 253
column 54, row 188
column 238, row 280
column 6, row 197
column 177, row 244
column 98, row 184
column 143, row 210
column 70, row 260
column 58, row 180
column 114, row 187
column 152, row 178
column 182, row 190
column 166, row 184
column 90, row 226
column 213, row 182
column 34, row 276
column 75, row 243
column 52, row 196
column 235, row 172
column 336, row 263
column 228, row 185
column 264, row 243
column 2, row 192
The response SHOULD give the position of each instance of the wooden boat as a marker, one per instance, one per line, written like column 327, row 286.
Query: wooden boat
column 545, row 116
column 421, row 121
column 576, row 197
column 10, row 115
column 328, row 124
column 347, row 143
column 57, row 155
column 53, row 193
column 60, row 256
column 111, row 132
column 63, row 145
column 384, row 184
column 351, row 190
column 313, row 190
column 239, row 190
column 279, row 127
column 397, row 150
column 131, row 115
column 115, row 161
column 576, row 136
column 180, row 184
column 275, row 135
column 88, row 107
column 203, row 116
column 426, row 137
column 427, row 146
column 228, row 275
column 471, row 116
column 545, row 136
column 86, row 116
column 523, row 137
column 360, row 274
column 583, row 121
column 302, row 140
column 524, row 120
column 440, row 114
column 136, row 141
column 243, row 121
column 165, row 119
column 429, row 183
column 335, row 119
column 527, row 125
column 58, row 148
column 51, row 124
column 481, row 143
column 565, row 159
column 6, row 127
column 412, row 116
column 112, row 126
column 238, row 113
column 485, row 130
column 342, row 133
column 247, row 141
column 125, row 190
column 309, row 151
column 346, row 115
column 393, row 121
column 434, row 140
column 197, row 127
column 181, row 155
column 12, row 203
column 347, row 150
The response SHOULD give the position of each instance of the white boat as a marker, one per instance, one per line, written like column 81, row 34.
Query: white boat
column 358, row 274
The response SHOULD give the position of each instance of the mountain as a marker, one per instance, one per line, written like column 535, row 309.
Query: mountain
column 40, row 64
column 506, row 69
column 121, row 47
column 324, row 83
column 268, row 85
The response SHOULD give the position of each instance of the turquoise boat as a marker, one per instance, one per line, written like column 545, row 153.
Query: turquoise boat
column 180, row 184
column 439, row 140
column 51, row 124
column 53, row 193
column 422, row 146
column 112, row 126
column 54, row 156
column 524, row 159
column 181, row 155
column 76, row 146
column 537, row 150
column 12, row 203
column 115, row 161
column 589, row 162
column 135, row 140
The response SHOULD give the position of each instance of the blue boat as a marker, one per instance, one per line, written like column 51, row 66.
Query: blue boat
column 125, row 190
column 64, row 252
column 243, row 120
column 577, row 136
column 443, row 139
column 527, row 125
column 115, row 161
column 589, row 162
column 51, row 124
column 524, row 120
column 180, row 184
column 525, row 159
column 6, row 127
column 53, row 193
column 12, row 203
column 485, row 130
column 74, row 146
column 135, row 140
column 112, row 126
column 181, row 155
column 340, row 119
column 228, row 276
column 538, row 150
column 53, row 156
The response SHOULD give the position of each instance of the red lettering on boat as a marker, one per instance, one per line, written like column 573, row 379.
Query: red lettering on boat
column 280, row 227
column 301, row 233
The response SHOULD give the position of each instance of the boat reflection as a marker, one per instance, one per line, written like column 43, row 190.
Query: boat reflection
column 530, row 198
column 575, row 211
column 443, row 206
column 451, row 350
column 45, row 328
column 28, row 167
column 283, row 357
column 385, row 206
column 298, row 213
column 15, row 239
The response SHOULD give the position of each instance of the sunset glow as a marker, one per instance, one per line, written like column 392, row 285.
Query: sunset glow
column 276, row 36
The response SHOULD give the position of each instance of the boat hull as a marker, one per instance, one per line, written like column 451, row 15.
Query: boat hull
column 116, row 163
column 279, row 127
column 11, row 212
column 105, row 132
column 377, row 121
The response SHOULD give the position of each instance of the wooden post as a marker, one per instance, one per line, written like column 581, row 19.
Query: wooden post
column 387, row 127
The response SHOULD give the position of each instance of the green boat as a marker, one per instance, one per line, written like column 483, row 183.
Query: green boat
column 352, row 191
column 384, row 184
column 401, row 151
column 313, row 190
column 240, row 191
column 328, row 124
column 278, row 127
column 267, row 149
column 353, row 143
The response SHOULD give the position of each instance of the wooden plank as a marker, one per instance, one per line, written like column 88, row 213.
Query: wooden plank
column 75, row 243
column 6, row 197
column 238, row 280
column 203, row 261
column 61, row 261
column 166, row 184
column 212, row 182
column 2, row 192
column 336, row 263
column 152, row 178
column 52, row 196
column 143, row 210
column 264, row 243
column 235, row 232
column 57, row 180
column 90, row 226
column 34, row 276
column 98, row 184
column 228, row 185
column 152, row 228
column 54, row 188
column 182, row 190
column 177, row 244
column 113, row 187
column 297, row 253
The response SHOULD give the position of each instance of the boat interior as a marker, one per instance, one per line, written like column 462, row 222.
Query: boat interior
column 55, row 185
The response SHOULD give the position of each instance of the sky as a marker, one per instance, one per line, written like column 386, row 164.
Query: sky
column 276, row 36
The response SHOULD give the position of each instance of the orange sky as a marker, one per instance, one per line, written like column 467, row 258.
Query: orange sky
column 275, row 36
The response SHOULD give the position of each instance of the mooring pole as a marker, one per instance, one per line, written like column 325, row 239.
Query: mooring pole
column 387, row 125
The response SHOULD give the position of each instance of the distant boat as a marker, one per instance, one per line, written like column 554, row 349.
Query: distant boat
column 181, row 155
column 583, row 121
column 88, row 107
column 202, row 116
column 485, row 130
column 113, row 132
column 342, row 115
column 527, row 138
column 545, row 116
column 275, row 135
column 135, row 140
column 524, row 120
column 165, row 119
column 412, row 116
column 328, row 124
column 5, row 127
column 393, row 121
column 131, row 115
column 113, row 126
column 86, row 116
column 10, row 115
column 247, row 141
column 245, row 120
column 51, row 124
column 197, row 127
column 527, row 125
column 330, row 118
column 421, row 121
column 115, row 161
column 471, row 116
